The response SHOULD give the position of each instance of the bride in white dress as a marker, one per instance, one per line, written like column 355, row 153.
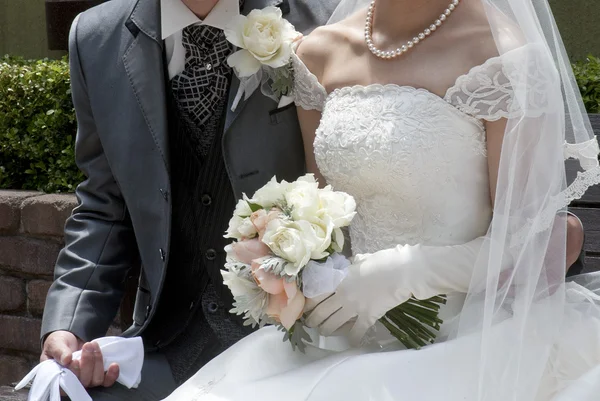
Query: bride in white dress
column 460, row 188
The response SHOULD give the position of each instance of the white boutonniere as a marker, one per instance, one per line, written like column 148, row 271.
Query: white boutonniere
column 264, row 39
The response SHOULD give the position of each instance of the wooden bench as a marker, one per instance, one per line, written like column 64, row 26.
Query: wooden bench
column 588, row 210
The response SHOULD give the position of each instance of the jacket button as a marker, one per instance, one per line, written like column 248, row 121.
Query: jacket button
column 212, row 307
column 165, row 194
column 211, row 254
column 206, row 200
column 162, row 254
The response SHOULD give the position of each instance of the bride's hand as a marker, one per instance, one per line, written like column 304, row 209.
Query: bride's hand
column 383, row 280
column 365, row 295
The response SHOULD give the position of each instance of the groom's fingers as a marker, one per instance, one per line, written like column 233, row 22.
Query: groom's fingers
column 112, row 374
column 86, row 365
column 98, row 375
column 75, row 368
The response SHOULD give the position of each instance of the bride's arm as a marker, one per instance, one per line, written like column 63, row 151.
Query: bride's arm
column 309, row 94
column 495, row 135
column 309, row 122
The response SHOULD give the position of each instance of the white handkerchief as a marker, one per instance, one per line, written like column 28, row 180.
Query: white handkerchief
column 49, row 376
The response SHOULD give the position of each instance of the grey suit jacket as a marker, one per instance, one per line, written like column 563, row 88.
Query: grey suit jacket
column 124, row 212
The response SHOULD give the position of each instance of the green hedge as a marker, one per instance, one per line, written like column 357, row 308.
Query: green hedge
column 37, row 122
column 588, row 78
column 37, row 126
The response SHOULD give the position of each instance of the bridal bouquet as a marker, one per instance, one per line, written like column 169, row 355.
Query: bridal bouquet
column 288, row 248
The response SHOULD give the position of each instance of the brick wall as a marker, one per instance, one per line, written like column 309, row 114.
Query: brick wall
column 31, row 235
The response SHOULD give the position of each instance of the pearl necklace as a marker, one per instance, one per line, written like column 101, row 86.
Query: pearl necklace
column 411, row 43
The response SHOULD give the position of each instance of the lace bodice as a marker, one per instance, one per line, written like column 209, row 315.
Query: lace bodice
column 415, row 162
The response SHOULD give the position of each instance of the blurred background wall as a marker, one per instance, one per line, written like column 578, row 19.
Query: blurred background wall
column 23, row 27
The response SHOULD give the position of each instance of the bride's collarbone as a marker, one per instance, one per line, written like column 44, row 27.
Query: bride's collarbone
column 436, row 75
column 434, row 66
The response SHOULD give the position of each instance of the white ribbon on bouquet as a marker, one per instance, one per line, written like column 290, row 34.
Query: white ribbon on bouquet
column 49, row 377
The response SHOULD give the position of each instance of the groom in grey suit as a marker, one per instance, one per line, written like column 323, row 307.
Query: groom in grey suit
column 165, row 160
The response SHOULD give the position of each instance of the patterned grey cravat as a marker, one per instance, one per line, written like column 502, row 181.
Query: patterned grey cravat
column 201, row 88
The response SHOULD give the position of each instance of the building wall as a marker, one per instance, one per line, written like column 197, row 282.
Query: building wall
column 23, row 27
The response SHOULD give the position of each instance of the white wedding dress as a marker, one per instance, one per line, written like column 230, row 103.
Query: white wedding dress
column 416, row 165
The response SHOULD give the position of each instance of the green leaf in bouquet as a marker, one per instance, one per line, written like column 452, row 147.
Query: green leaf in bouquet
column 254, row 206
column 297, row 336
column 415, row 323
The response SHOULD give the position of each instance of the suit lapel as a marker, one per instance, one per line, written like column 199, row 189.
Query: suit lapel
column 144, row 64
column 235, row 82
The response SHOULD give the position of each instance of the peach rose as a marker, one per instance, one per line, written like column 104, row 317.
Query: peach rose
column 286, row 303
column 287, row 306
column 248, row 250
column 261, row 218
column 269, row 282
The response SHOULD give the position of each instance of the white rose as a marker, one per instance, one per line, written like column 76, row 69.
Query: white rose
column 298, row 241
column 240, row 227
column 287, row 241
column 319, row 231
column 303, row 199
column 236, row 284
column 264, row 37
column 340, row 206
column 337, row 240
column 242, row 208
column 271, row 193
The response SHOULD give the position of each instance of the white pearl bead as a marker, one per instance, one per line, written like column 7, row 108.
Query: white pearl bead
column 411, row 43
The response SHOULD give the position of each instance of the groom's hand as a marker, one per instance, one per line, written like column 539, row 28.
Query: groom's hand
column 60, row 346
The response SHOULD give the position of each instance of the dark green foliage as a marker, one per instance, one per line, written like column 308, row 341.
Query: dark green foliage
column 37, row 126
column 588, row 78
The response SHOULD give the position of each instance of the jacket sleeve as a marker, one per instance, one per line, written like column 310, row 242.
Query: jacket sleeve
column 99, row 241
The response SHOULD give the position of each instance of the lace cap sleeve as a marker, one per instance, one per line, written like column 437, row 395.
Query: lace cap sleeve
column 308, row 93
column 488, row 92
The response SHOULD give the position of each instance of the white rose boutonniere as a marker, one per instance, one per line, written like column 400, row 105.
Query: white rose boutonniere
column 264, row 40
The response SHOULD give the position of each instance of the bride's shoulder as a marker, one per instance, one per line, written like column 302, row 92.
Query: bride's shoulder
column 317, row 49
